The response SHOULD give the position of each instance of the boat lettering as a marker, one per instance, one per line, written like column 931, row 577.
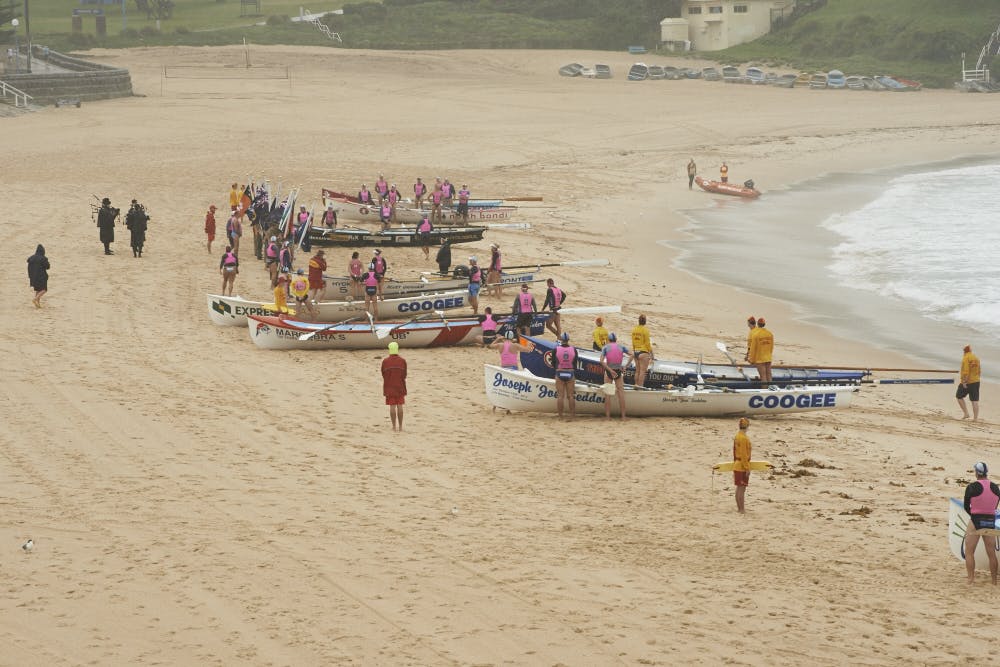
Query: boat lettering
column 790, row 401
column 252, row 310
column 437, row 304
column 520, row 387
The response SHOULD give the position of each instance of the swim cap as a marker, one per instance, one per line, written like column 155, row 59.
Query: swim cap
column 301, row 272
column 980, row 468
column 744, row 422
column 510, row 335
column 565, row 337
column 760, row 321
column 612, row 337
column 393, row 347
column 274, row 238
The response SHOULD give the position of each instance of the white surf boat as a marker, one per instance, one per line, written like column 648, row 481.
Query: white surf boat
column 348, row 208
column 233, row 310
column 282, row 333
column 520, row 390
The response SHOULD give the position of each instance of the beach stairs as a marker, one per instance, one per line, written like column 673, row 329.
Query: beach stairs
column 13, row 96
column 308, row 17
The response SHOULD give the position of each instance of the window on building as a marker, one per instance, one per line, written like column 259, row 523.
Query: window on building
column 715, row 10
column 739, row 9
column 694, row 10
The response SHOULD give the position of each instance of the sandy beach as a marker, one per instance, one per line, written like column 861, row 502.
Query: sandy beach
column 195, row 500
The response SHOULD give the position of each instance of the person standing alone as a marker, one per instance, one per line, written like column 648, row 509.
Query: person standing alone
column 724, row 173
column 394, row 385
column 969, row 384
column 981, row 500
column 741, row 463
column 761, row 350
column 38, row 274
column 692, row 171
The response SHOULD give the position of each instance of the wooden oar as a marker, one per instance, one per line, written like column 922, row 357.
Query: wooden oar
column 382, row 334
column 526, row 198
column 508, row 225
column 869, row 368
column 309, row 335
column 576, row 262
column 721, row 347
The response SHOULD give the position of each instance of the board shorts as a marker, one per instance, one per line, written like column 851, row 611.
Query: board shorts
column 395, row 400
column 982, row 521
column 489, row 337
column 564, row 375
column 356, row 279
column 474, row 289
column 971, row 390
column 463, row 208
column 741, row 477
column 524, row 320
column 424, row 237
column 371, row 290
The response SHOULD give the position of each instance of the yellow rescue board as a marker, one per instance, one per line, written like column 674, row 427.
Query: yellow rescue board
column 727, row 466
column 274, row 307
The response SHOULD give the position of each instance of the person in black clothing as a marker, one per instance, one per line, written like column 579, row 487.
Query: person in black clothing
column 106, row 222
column 981, row 499
column 137, row 221
column 38, row 274
column 444, row 257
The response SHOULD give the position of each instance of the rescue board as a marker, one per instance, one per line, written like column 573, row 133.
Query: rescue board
column 727, row 466
column 958, row 522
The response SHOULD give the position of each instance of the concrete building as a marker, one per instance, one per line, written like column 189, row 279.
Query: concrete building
column 713, row 25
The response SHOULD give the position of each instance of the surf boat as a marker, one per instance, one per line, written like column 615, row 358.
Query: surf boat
column 285, row 333
column 711, row 74
column 835, row 79
column 746, row 190
column 349, row 208
column 855, row 83
column 756, row 75
column 523, row 391
column 785, row 81
column 233, row 310
column 889, row 83
column 353, row 237
column 602, row 71
column 731, row 74
column 817, row 81
column 655, row 72
column 663, row 374
column 672, row 73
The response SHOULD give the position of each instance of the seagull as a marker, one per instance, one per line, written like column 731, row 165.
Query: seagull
column 28, row 546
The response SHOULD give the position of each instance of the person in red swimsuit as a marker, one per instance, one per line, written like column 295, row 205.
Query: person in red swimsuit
column 394, row 385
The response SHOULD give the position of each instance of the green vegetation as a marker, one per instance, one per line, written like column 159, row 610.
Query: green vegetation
column 915, row 39
column 919, row 39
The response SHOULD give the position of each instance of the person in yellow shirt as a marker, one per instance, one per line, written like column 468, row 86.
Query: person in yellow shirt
column 752, row 324
column 234, row 197
column 761, row 349
column 969, row 384
column 724, row 173
column 741, row 463
column 642, row 351
column 600, row 334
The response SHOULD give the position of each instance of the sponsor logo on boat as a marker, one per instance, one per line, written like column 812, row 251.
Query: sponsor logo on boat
column 545, row 392
column 520, row 386
column 262, row 329
column 436, row 304
column 222, row 308
column 251, row 310
column 794, row 401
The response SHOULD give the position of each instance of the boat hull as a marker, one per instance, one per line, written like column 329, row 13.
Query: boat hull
column 282, row 333
column 233, row 311
column 352, row 237
column 663, row 374
column 720, row 188
column 349, row 209
column 522, row 391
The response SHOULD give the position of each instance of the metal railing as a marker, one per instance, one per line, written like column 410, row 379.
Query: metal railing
column 21, row 98
column 323, row 28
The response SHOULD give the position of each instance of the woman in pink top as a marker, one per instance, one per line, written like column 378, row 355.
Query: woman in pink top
column 354, row 271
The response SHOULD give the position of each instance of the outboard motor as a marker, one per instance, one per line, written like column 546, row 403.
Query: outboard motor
column 748, row 183
column 461, row 271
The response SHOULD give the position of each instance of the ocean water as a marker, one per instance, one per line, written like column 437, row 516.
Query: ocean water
column 931, row 239
column 908, row 261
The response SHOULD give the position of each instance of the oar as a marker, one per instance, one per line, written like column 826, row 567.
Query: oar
column 384, row 333
column 514, row 198
column 591, row 310
column 721, row 347
column 508, row 225
column 576, row 262
column 912, row 381
column 869, row 368
column 309, row 335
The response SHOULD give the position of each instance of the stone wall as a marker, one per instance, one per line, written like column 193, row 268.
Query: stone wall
column 74, row 78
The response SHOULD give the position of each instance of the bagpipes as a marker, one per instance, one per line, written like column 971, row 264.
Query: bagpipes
column 96, row 208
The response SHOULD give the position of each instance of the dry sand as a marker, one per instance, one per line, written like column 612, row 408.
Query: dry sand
column 195, row 500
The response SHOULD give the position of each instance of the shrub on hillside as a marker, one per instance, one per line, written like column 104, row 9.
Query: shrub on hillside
column 369, row 11
column 277, row 19
column 148, row 31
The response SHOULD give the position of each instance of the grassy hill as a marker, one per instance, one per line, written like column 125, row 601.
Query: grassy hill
column 920, row 39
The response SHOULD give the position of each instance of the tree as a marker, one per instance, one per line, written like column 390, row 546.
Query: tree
column 8, row 11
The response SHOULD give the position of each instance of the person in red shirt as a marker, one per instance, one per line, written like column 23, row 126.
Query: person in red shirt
column 210, row 226
column 394, row 385
column 317, row 267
